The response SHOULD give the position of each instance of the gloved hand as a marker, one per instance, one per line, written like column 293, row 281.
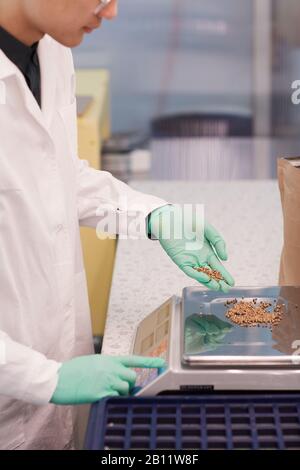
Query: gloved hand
column 87, row 379
column 190, row 251
column 204, row 333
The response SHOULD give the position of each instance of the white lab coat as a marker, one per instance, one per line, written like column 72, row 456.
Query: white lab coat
column 45, row 192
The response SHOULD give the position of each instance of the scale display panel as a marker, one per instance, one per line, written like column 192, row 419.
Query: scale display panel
column 152, row 340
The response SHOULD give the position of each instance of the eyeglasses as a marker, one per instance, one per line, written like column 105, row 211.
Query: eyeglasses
column 101, row 6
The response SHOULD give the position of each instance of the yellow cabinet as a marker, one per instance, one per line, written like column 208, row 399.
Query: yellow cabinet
column 93, row 127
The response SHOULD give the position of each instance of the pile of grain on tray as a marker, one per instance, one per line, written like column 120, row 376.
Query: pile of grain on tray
column 253, row 313
column 212, row 273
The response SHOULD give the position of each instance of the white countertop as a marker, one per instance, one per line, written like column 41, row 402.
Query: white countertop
column 248, row 215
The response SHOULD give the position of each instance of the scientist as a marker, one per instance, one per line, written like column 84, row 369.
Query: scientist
column 46, row 192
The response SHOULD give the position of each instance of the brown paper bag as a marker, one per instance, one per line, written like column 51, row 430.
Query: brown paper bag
column 289, row 185
column 287, row 333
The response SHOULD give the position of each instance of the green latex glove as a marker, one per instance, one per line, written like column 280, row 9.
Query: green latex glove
column 190, row 251
column 87, row 379
column 204, row 333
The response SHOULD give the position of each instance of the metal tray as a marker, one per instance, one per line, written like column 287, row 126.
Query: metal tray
column 224, row 343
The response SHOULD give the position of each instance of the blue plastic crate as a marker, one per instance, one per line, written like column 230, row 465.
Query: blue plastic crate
column 199, row 422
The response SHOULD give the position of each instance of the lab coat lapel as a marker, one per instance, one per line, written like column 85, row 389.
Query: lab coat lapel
column 48, row 78
column 9, row 69
column 48, row 82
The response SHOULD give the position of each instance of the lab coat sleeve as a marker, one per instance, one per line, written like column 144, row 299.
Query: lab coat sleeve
column 104, row 202
column 111, row 205
column 26, row 374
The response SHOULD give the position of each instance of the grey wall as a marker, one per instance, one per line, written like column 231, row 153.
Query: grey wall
column 174, row 55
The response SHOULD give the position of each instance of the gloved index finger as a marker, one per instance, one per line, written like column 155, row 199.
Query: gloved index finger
column 142, row 362
column 213, row 236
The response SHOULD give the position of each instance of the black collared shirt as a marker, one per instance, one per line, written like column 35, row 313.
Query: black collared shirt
column 25, row 58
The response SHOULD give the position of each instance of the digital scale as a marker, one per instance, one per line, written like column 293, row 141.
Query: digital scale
column 205, row 351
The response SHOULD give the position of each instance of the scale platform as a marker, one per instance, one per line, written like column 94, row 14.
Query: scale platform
column 205, row 351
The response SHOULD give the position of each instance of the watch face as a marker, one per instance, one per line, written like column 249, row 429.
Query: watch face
column 247, row 326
